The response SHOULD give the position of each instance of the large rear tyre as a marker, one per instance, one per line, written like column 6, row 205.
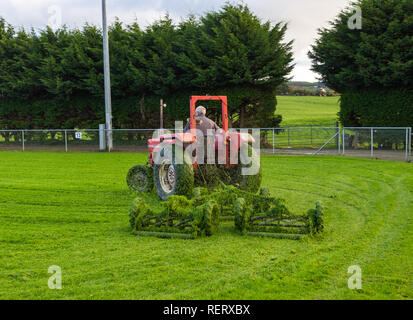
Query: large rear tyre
column 140, row 178
column 173, row 172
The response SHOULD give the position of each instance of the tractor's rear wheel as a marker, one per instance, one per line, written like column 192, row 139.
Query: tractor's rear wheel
column 173, row 172
column 140, row 178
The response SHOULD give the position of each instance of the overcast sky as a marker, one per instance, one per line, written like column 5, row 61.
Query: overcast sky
column 303, row 16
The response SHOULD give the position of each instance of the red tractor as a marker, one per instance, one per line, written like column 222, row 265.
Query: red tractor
column 174, row 166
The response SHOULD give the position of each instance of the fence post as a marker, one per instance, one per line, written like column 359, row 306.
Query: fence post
column 102, row 142
column 23, row 140
column 342, row 140
column 66, row 140
column 273, row 140
column 371, row 143
column 338, row 140
column 288, row 130
column 407, row 144
column 311, row 135
column 338, row 137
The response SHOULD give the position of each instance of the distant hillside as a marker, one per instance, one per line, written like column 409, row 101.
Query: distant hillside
column 307, row 85
column 303, row 88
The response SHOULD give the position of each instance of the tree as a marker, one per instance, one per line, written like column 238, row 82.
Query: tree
column 236, row 51
column 159, row 41
column 376, row 61
column 55, row 78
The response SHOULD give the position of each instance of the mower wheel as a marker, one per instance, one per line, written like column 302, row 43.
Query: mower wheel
column 173, row 172
column 250, row 183
column 140, row 178
column 211, row 217
column 242, row 214
column 137, row 211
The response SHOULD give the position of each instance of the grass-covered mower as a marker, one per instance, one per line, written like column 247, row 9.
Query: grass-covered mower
column 252, row 214
column 178, row 219
column 275, row 220
column 172, row 166
column 261, row 214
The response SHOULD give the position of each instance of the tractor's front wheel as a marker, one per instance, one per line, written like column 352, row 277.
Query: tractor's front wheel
column 173, row 172
column 140, row 178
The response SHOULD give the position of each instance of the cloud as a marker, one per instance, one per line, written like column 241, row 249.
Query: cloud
column 304, row 17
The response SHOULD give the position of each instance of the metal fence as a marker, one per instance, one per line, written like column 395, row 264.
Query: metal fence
column 383, row 143
column 377, row 142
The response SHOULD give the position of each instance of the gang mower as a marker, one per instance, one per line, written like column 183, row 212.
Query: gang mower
column 253, row 214
column 175, row 164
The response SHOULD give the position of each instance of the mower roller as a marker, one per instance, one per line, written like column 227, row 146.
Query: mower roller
column 252, row 214
column 172, row 167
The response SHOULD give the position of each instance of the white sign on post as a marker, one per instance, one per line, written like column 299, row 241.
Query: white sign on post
column 78, row 135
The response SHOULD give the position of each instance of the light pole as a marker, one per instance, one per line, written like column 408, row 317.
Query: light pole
column 162, row 106
column 106, row 67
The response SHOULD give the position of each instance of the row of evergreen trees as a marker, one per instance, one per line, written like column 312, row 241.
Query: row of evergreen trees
column 55, row 78
column 371, row 67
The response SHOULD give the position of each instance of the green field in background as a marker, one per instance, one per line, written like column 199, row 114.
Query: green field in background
column 307, row 110
column 71, row 210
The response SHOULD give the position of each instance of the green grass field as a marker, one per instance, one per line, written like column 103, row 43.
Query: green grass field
column 307, row 110
column 71, row 210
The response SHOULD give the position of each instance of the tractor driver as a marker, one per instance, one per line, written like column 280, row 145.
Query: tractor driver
column 202, row 122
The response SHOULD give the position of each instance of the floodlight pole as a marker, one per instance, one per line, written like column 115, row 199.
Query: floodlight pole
column 106, row 67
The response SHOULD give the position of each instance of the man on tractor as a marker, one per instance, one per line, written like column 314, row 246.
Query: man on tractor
column 203, row 123
column 171, row 168
column 208, row 128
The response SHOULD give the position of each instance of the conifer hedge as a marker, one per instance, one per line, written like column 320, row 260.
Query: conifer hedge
column 55, row 78
column 371, row 67
column 377, row 108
